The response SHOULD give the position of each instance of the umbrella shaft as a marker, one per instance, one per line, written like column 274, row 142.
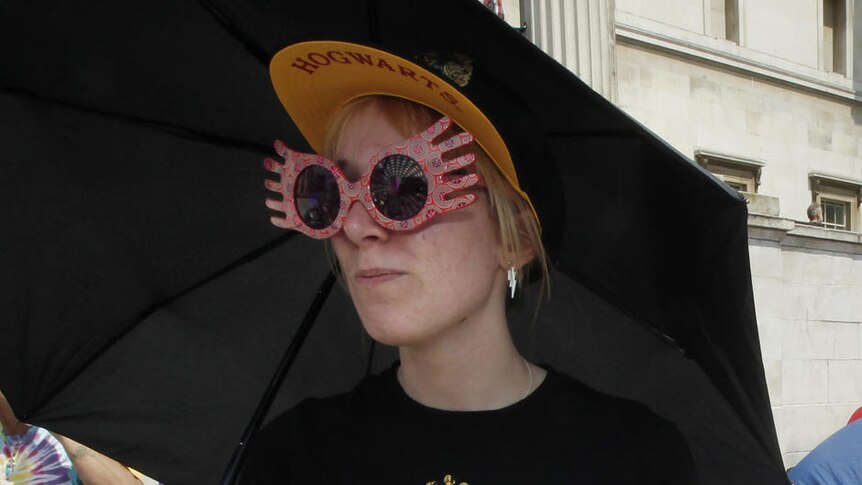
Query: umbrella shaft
column 265, row 403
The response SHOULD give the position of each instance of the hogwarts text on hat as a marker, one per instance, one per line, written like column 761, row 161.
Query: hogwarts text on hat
column 318, row 60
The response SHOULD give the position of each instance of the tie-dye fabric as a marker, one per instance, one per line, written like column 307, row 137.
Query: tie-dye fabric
column 38, row 459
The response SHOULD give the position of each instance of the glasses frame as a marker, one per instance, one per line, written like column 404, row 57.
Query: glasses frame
column 420, row 147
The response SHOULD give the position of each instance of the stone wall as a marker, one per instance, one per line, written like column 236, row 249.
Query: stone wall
column 698, row 106
column 808, row 295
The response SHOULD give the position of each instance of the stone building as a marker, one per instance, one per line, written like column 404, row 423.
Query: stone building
column 767, row 95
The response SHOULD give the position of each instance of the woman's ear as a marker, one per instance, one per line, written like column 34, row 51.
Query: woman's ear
column 518, row 258
column 527, row 254
column 523, row 251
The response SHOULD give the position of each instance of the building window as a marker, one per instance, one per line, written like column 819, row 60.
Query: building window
column 724, row 19
column 835, row 36
column 739, row 173
column 835, row 214
column 838, row 200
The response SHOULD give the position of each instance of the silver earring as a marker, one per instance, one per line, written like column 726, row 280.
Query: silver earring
column 512, row 275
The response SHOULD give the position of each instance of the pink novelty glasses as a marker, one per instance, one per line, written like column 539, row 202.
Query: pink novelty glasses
column 405, row 185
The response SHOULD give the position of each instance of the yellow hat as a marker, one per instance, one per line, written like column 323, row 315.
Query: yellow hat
column 314, row 79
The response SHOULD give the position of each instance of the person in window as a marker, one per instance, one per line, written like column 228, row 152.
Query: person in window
column 432, row 235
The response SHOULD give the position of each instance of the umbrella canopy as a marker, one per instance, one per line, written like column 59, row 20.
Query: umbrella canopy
column 146, row 298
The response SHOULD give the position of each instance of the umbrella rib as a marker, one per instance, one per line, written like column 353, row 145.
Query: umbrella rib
column 373, row 22
column 256, row 50
column 161, row 304
column 181, row 131
column 224, row 270
column 608, row 296
column 643, row 323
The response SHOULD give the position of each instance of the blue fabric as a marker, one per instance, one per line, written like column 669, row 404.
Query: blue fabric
column 837, row 460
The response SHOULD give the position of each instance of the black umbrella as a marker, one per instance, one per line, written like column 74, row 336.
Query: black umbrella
column 147, row 300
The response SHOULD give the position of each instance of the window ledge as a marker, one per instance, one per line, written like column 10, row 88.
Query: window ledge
column 820, row 178
column 802, row 234
column 641, row 30
column 762, row 205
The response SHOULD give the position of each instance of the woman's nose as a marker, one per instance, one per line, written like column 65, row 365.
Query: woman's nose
column 361, row 228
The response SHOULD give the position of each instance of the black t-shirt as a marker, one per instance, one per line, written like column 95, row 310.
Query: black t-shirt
column 564, row 432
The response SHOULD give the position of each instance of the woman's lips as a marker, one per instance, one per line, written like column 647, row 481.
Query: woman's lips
column 375, row 276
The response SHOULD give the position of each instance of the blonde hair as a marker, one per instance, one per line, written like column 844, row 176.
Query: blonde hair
column 518, row 227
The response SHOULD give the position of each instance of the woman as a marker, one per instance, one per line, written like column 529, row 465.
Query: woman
column 441, row 236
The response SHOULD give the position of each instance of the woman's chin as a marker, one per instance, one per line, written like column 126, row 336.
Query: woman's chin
column 394, row 333
column 387, row 336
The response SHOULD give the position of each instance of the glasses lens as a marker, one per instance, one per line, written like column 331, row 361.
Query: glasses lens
column 317, row 197
column 398, row 187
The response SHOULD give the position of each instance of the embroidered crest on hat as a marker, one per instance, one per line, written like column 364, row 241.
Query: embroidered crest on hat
column 456, row 67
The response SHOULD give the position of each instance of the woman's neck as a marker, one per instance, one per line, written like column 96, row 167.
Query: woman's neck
column 474, row 366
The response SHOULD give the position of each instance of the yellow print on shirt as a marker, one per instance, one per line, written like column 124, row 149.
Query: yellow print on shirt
column 447, row 480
